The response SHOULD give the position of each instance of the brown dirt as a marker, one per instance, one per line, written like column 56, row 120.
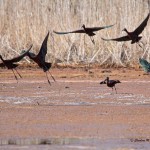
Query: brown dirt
column 76, row 105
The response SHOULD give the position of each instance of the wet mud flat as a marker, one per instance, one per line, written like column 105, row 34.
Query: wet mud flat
column 74, row 114
column 75, row 144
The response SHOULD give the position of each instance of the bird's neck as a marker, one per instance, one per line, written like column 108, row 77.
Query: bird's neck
column 126, row 31
column 107, row 81
column 2, row 59
column 84, row 28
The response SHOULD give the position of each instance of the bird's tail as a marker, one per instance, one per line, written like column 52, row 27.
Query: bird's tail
column 13, row 66
column 117, row 81
column 47, row 66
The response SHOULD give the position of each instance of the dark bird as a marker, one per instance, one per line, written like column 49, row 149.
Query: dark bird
column 110, row 83
column 40, row 58
column 11, row 63
column 145, row 65
column 133, row 36
column 88, row 31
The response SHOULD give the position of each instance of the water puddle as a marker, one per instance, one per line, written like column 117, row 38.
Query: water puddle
column 80, row 93
column 79, row 103
column 78, row 143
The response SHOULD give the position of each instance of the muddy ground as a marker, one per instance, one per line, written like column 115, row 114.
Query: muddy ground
column 75, row 112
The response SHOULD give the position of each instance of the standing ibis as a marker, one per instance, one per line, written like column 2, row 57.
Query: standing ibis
column 89, row 31
column 110, row 83
column 11, row 63
column 40, row 58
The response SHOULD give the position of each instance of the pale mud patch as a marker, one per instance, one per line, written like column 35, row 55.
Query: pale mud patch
column 75, row 92
column 119, row 119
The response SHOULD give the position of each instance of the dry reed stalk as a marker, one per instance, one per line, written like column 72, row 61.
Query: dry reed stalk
column 25, row 22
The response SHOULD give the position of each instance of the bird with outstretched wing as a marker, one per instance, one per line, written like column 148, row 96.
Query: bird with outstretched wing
column 40, row 58
column 87, row 30
column 11, row 63
column 133, row 36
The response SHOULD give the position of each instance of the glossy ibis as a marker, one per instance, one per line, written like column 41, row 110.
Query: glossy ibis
column 133, row 36
column 10, row 63
column 145, row 65
column 110, row 83
column 89, row 31
column 40, row 58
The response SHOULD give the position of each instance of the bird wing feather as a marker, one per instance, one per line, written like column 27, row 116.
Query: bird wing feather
column 43, row 50
column 76, row 31
column 112, row 81
column 18, row 58
column 98, row 28
column 141, row 27
column 2, row 65
column 120, row 39
column 103, row 82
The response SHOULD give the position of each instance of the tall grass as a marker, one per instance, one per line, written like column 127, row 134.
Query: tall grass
column 25, row 22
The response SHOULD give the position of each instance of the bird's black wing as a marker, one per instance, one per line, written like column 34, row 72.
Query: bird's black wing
column 141, row 27
column 103, row 82
column 120, row 39
column 8, row 66
column 111, row 81
column 2, row 65
column 17, row 59
column 76, row 31
column 98, row 28
column 114, row 81
column 43, row 50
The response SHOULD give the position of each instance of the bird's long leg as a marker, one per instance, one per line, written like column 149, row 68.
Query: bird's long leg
column 112, row 90
column 18, row 73
column 92, row 39
column 140, row 45
column 115, row 89
column 48, row 79
column 15, row 75
column 142, row 42
column 51, row 76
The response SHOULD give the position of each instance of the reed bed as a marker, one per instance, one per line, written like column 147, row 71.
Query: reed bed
column 26, row 22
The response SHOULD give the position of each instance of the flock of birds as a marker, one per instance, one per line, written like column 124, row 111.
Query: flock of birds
column 40, row 57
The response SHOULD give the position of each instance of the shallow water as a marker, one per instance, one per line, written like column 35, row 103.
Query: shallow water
column 87, row 93
column 74, row 144
column 71, row 93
